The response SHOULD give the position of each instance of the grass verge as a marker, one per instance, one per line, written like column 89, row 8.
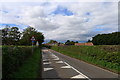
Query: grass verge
column 92, row 54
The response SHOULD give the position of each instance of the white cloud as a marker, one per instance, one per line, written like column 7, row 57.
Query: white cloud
column 59, row 0
column 80, row 26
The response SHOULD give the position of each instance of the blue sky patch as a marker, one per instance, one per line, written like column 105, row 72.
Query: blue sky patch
column 21, row 26
column 8, row 25
column 98, row 29
column 45, row 4
column 62, row 11
column 17, row 16
column 88, row 13
column 5, row 11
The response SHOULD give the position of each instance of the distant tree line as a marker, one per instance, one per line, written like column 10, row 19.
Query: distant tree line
column 12, row 36
column 106, row 39
column 68, row 42
column 52, row 41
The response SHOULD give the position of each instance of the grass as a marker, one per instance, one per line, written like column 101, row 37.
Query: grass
column 30, row 68
column 101, row 56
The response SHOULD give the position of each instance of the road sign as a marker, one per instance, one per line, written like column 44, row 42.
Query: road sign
column 33, row 38
column 33, row 41
column 37, row 44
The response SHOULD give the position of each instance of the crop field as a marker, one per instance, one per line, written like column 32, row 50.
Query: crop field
column 20, row 62
column 105, row 56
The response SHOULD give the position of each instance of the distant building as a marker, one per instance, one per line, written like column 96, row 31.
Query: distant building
column 87, row 44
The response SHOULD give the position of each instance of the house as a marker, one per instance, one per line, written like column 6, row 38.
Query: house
column 87, row 44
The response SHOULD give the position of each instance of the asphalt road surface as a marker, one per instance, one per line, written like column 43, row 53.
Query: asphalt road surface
column 57, row 66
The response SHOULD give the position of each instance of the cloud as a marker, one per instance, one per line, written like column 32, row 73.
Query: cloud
column 62, row 21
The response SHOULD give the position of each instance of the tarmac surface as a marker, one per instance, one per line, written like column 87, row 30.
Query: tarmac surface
column 57, row 66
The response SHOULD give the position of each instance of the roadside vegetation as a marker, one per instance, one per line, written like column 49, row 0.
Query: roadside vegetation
column 12, row 36
column 21, row 62
column 106, row 39
column 105, row 56
column 18, row 58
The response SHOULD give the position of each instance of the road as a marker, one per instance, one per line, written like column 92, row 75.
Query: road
column 57, row 66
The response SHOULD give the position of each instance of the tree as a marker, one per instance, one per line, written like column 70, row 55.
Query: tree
column 72, row 43
column 27, row 35
column 107, row 39
column 14, row 35
column 10, row 36
column 76, row 42
column 52, row 41
column 67, row 42
column 89, row 40
column 5, row 35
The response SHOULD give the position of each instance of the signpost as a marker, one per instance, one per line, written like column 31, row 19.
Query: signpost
column 33, row 40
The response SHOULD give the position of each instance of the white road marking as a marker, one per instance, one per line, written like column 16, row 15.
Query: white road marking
column 66, row 67
column 47, row 63
column 56, row 59
column 47, row 69
column 78, row 71
column 46, row 60
column 54, row 56
column 78, row 76
column 59, row 62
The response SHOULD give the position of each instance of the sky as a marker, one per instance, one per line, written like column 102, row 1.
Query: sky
column 61, row 21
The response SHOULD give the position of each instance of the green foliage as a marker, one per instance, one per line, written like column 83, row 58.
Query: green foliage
column 68, row 42
column 27, row 35
column 13, row 58
column 76, row 42
column 93, row 54
column 52, row 41
column 31, row 67
column 10, row 36
column 89, row 41
column 107, row 39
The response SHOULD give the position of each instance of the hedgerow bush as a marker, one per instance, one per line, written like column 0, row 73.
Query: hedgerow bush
column 13, row 58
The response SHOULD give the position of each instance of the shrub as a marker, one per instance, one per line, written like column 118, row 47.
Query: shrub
column 13, row 58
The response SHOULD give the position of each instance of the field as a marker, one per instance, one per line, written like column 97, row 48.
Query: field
column 105, row 56
column 21, row 62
